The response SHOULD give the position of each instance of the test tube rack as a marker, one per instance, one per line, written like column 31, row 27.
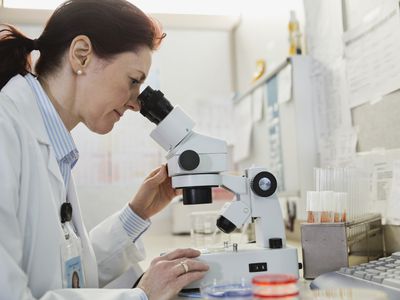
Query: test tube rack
column 327, row 247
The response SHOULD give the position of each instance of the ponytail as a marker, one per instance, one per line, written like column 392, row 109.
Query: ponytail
column 15, row 49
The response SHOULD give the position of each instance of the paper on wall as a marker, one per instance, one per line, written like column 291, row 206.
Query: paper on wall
column 285, row 84
column 382, row 179
column 371, row 53
column 243, row 125
column 393, row 206
column 324, row 30
column 339, row 149
column 330, row 98
column 257, row 103
column 383, row 169
column 274, row 134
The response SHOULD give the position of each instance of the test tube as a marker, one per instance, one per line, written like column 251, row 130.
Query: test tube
column 337, row 211
column 340, row 207
column 344, row 201
column 326, row 199
column 313, row 207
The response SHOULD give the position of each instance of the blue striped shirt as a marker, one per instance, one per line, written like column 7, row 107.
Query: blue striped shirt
column 67, row 154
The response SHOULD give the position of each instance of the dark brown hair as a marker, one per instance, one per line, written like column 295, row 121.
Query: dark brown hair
column 113, row 27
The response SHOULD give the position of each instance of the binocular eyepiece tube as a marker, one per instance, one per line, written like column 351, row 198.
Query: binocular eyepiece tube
column 154, row 106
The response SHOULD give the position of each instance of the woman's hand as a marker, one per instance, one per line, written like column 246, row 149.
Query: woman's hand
column 154, row 194
column 169, row 273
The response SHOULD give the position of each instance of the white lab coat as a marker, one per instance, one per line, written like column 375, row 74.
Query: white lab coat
column 31, row 192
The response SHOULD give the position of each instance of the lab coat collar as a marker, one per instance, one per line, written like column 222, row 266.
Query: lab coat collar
column 19, row 90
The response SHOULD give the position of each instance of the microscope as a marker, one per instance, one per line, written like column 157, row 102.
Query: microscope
column 196, row 164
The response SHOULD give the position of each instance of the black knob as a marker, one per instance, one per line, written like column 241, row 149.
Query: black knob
column 189, row 160
column 264, row 184
column 275, row 243
column 300, row 266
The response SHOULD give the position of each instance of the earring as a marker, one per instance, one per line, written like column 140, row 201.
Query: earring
column 79, row 72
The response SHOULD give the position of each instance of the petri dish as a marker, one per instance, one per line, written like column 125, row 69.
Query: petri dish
column 232, row 291
column 279, row 286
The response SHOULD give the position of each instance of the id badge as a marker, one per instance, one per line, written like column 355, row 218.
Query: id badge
column 72, row 267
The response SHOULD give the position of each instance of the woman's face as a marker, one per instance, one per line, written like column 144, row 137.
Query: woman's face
column 107, row 89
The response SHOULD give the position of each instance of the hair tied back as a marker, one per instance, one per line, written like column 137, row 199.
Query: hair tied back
column 35, row 44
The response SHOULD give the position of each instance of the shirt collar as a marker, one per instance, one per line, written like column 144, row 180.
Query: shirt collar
column 60, row 138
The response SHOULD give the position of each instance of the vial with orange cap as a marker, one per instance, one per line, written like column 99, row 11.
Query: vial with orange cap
column 276, row 286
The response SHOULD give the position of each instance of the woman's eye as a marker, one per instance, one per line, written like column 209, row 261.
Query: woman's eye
column 134, row 81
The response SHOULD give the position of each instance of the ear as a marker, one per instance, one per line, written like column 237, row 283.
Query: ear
column 80, row 53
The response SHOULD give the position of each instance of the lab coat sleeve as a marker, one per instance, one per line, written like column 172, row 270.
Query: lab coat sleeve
column 98, row 294
column 115, row 251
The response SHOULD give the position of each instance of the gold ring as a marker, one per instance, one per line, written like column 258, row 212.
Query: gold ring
column 185, row 266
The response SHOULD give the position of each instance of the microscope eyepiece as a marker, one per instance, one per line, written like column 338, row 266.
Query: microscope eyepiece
column 154, row 106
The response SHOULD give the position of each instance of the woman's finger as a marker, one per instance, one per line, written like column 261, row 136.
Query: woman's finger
column 183, row 266
column 154, row 172
column 181, row 253
column 157, row 176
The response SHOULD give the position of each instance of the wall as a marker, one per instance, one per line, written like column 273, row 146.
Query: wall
column 263, row 34
column 378, row 124
column 194, row 64
column 191, row 64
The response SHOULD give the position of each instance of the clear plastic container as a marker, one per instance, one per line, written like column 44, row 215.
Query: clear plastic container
column 231, row 291
column 277, row 286
column 203, row 229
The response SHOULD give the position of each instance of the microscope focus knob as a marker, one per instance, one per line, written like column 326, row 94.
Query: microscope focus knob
column 189, row 160
column 264, row 184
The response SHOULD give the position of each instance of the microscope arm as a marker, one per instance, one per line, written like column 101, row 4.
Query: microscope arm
column 261, row 205
column 235, row 184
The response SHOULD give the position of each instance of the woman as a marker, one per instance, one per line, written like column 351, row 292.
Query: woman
column 94, row 55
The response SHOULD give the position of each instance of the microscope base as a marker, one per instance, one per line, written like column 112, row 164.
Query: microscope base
column 249, row 261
